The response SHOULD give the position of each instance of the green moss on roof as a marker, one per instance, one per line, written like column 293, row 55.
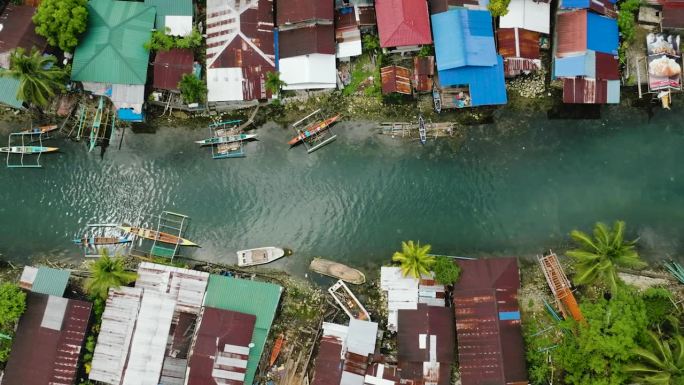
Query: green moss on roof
column 50, row 281
column 170, row 8
column 8, row 92
column 258, row 298
column 112, row 50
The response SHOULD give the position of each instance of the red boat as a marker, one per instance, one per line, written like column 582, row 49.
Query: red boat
column 313, row 129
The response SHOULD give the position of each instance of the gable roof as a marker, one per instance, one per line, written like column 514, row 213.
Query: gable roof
column 297, row 11
column 463, row 38
column 169, row 8
column 112, row 50
column 528, row 14
column 310, row 39
column 403, row 22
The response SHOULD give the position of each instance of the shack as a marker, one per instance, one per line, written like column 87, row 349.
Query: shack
column 519, row 34
column 403, row 25
column 44, row 280
column 395, row 79
column 169, row 68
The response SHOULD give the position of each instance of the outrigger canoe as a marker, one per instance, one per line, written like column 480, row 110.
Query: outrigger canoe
column 27, row 150
column 40, row 129
column 157, row 236
column 314, row 129
column 225, row 139
column 98, row 241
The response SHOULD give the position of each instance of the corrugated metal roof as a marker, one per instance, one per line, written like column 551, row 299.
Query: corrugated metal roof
column 146, row 356
column 579, row 31
column 605, row 7
column 403, row 22
column 576, row 65
column 111, row 51
column 297, row 11
column 42, row 355
column 116, row 332
column 527, row 14
column 361, row 337
column 18, row 31
column 185, row 286
column 8, row 92
column 250, row 297
column 439, row 6
column 463, row 38
column 395, row 79
column 310, row 39
column 382, row 374
column 423, row 72
column 50, row 281
column 173, row 371
column 486, row 84
column 673, row 15
column 516, row 42
column 169, row 8
column 591, row 91
column 328, row 363
column 490, row 347
column 170, row 66
column 607, row 67
column 314, row 71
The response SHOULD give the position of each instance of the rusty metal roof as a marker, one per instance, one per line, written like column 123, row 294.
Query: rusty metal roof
column 18, row 30
column 571, row 33
column 379, row 371
column 48, row 352
column 490, row 344
column 395, row 79
column 518, row 42
column 607, row 67
column 313, row 38
column 328, row 366
column 591, row 91
column 170, row 66
column 673, row 15
column 297, row 11
column 423, row 72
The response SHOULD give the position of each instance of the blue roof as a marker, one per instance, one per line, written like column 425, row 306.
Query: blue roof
column 602, row 34
column 487, row 84
column 576, row 65
column 463, row 38
column 613, row 96
column 580, row 4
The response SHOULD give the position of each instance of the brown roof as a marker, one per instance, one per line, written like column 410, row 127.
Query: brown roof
column 515, row 66
column 42, row 354
column 423, row 71
column 217, row 329
column 297, row 11
column 571, row 32
column 439, row 6
column 673, row 15
column 389, row 372
column 395, row 79
column 314, row 38
column 367, row 16
column 18, row 29
column 328, row 366
column 490, row 344
column 585, row 91
column 170, row 66
column 607, row 66
column 518, row 42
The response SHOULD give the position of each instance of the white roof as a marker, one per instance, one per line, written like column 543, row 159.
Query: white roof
column 178, row 25
column 28, row 276
column 349, row 43
column 224, row 84
column 128, row 96
column 314, row 71
column 392, row 279
column 185, row 286
column 116, row 332
column 361, row 337
column 527, row 14
column 335, row 330
column 149, row 341
column 378, row 378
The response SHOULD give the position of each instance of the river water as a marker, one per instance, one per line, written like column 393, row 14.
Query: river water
column 516, row 187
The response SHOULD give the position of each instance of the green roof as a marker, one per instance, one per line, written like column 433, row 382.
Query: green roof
column 258, row 298
column 112, row 50
column 8, row 92
column 50, row 281
column 170, row 8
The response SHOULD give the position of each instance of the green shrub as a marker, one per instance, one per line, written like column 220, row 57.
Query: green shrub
column 160, row 41
column 192, row 89
column 446, row 271
column 498, row 7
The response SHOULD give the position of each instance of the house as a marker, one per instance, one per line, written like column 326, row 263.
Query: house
column 48, row 341
column 604, row 7
column 110, row 59
column 426, row 345
column 343, row 353
column 240, row 49
column 529, row 15
column 170, row 66
column 249, row 297
column 491, row 350
column 347, row 33
column 423, row 73
column 306, row 44
column 18, row 31
column 44, row 280
column 174, row 17
column 403, row 25
column 466, row 56
column 519, row 49
column 673, row 15
column 395, row 79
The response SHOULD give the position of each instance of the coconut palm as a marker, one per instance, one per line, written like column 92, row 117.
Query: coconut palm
column 39, row 77
column 273, row 83
column 107, row 272
column 597, row 259
column 659, row 362
column 414, row 259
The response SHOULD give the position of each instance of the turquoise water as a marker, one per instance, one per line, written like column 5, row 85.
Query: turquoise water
column 516, row 187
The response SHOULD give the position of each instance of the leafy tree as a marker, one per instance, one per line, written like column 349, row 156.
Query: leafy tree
column 160, row 41
column 426, row 50
column 12, row 306
column 446, row 271
column 61, row 22
column 627, row 24
column 659, row 362
column 599, row 350
column 597, row 258
column 371, row 44
column 39, row 77
column 414, row 259
column 498, row 7
column 659, row 305
column 107, row 272
column 273, row 83
column 192, row 89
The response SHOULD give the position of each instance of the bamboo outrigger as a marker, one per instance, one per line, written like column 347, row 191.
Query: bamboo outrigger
column 337, row 270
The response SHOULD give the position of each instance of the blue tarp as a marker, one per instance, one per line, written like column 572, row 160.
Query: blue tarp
column 575, row 4
column 487, row 85
column 463, row 38
column 602, row 34
column 509, row 315
column 576, row 65
column 127, row 114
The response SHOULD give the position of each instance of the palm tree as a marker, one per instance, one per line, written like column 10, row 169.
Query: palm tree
column 274, row 84
column 414, row 259
column 39, row 77
column 597, row 259
column 660, row 363
column 107, row 272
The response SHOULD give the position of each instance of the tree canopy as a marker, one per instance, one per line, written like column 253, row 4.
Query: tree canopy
column 414, row 259
column 446, row 271
column 659, row 362
column 192, row 89
column 107, row 272
column 61, row 22
column 160, row 41
column 39, row 78
column 273, row 83
column 498, row 7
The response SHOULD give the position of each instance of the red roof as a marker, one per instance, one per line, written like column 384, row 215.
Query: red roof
column 571, row 32
column 490, row 344
column 328, row 367
column 170, row 66
column 403, row 22
column 297, row 11
column 607, row 66
column 306, row 40
column 585, row 91
column 673, row 15
column 518, row 42
column 44, row 355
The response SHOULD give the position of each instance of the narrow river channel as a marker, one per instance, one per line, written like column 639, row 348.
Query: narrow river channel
column 513, row 188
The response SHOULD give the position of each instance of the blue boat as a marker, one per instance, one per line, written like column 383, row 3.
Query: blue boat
column 421, row 129
column 100, row 241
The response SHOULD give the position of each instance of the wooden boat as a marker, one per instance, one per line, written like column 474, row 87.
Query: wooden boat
column 159, row 236
column 225, row 139
column 259, row 256
column 337, row 270
column 98, row 241
column 421, row 129
column 437, row 100
column 314, row 129
column 348, row 301
column 27, row 150
column 277, row 347
column 40, row 129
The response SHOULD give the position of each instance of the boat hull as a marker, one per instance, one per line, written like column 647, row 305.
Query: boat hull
column 98, row 241
column 225, row 139
column 27, row 150
column 337, row 270
column 259, row 256
column 313, row 130
column 41, row 129
column 158, row 236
